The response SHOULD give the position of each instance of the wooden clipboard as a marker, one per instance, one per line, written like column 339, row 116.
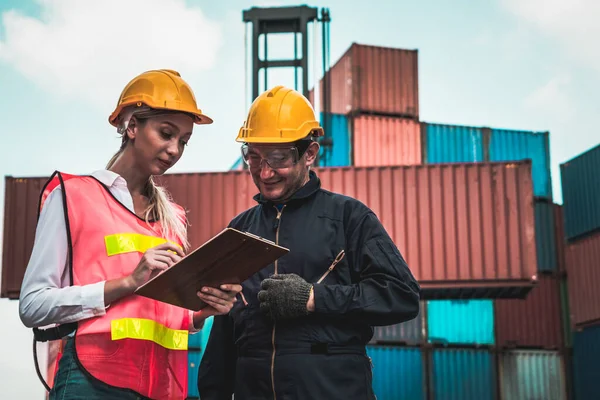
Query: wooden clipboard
column 231, row 256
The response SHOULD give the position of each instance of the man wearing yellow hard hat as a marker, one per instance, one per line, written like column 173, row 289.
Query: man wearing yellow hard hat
column 301, row 328
column 101, row 236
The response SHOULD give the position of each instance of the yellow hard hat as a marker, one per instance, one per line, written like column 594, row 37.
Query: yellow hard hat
column 279, row 115
column 160, row 89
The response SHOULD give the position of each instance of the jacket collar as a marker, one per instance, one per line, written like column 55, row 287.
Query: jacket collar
column 309, row 189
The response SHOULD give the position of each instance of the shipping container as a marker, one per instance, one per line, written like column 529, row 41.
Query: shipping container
column 411, row 332
column 398, row 372
column 533, row 322
column 532, row 374
column 566, row 313
column 466, row 230
column 371, row 79
column 238, row 165
column 462, row 374
column 586, row 371
column 583, row 261
column 580, row 179
column 339, row 152
column 545, row 237
column 460, row 321
column 559, row 234
column 21, row 202
column 383, row 141
column 453, row 143
column 509, row 145
column 194, row 358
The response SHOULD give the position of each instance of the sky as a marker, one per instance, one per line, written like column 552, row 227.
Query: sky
column 514, row 64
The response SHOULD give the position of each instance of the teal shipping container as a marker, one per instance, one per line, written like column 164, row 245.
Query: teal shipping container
column 339, row 153
column 196, row 346
column 452, row 143
column 586, row 371
column 460, row 322
column 545, row 236
column 580, row 179
column 398, row 372
column 509, row 145
column 462, row 374
column 194, row 357
column 532, row 374
column 238, row 165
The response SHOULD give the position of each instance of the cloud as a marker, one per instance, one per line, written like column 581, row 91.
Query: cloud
column 553, row 98
column 89, row 50
column 572, row 23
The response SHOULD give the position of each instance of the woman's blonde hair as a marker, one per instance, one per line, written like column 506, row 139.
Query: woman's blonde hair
column 160, row 205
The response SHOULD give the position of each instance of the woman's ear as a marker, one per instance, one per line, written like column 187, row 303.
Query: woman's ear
column 132, row 128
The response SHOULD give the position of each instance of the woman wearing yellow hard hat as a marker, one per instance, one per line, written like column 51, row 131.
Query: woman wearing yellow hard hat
column 101, row 236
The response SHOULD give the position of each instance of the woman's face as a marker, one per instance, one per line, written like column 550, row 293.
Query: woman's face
column 158, row 142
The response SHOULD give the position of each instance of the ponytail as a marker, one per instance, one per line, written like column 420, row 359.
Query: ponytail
column 160, row 205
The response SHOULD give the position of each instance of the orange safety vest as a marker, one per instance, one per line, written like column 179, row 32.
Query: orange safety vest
column 139, row 344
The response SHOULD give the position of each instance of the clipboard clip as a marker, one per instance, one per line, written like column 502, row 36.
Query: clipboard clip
column 260, row 238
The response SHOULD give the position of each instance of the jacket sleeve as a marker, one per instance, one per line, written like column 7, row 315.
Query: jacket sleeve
column 385, row 292
column 216, row 373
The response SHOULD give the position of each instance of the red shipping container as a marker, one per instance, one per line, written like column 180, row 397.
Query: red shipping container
column 533, row 322
column 372, row 79
column 466, row 230
column 385, row 141
column 583, row 271
column 21, row 199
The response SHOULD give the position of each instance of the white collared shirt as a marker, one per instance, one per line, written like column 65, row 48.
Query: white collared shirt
column 46, row 295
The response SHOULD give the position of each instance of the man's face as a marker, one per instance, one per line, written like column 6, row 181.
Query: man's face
column 277, row 170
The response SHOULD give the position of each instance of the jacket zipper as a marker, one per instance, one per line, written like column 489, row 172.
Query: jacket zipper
column 339, row 258
column 277, row 223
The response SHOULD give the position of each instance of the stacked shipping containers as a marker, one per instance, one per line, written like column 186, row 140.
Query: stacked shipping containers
column 580, row 178
column 466, row 329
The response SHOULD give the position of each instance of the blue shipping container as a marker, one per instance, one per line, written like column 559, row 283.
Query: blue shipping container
column 338, row 129
column 581, row 193
column 398, row 372
column 452, row 143
column 545, row 236
column 586, row 371
column 194, row 358
column 237, row 165
column 461, row 321
column 532, row 374
column 508, row 145
column 463, row 374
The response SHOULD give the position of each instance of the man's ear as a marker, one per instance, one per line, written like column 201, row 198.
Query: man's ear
column 311, row 153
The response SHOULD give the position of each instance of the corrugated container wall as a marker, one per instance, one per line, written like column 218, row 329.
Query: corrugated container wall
column 559, row 235
column 531, row 374
column 398, row 372
column 533, row 322
column 194, row 358
column 460, row 321
column 336, row 128
column 465, row 229
column 410, row 332
column 586, row 372
column 508, row 145
column 581, row 193
column 372, row 79
column 463, row 374
column 452, row 143
column 583, row 261
column 21, row 200
column 545, row 237
column 381, row 141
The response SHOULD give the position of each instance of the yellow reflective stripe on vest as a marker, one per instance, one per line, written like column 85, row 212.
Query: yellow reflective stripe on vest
column 130, row 242
column 146, row 329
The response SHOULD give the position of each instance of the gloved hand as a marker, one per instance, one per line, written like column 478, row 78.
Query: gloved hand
column 284, row 296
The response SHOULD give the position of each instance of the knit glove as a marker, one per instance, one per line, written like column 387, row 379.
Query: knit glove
column 284, row 296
